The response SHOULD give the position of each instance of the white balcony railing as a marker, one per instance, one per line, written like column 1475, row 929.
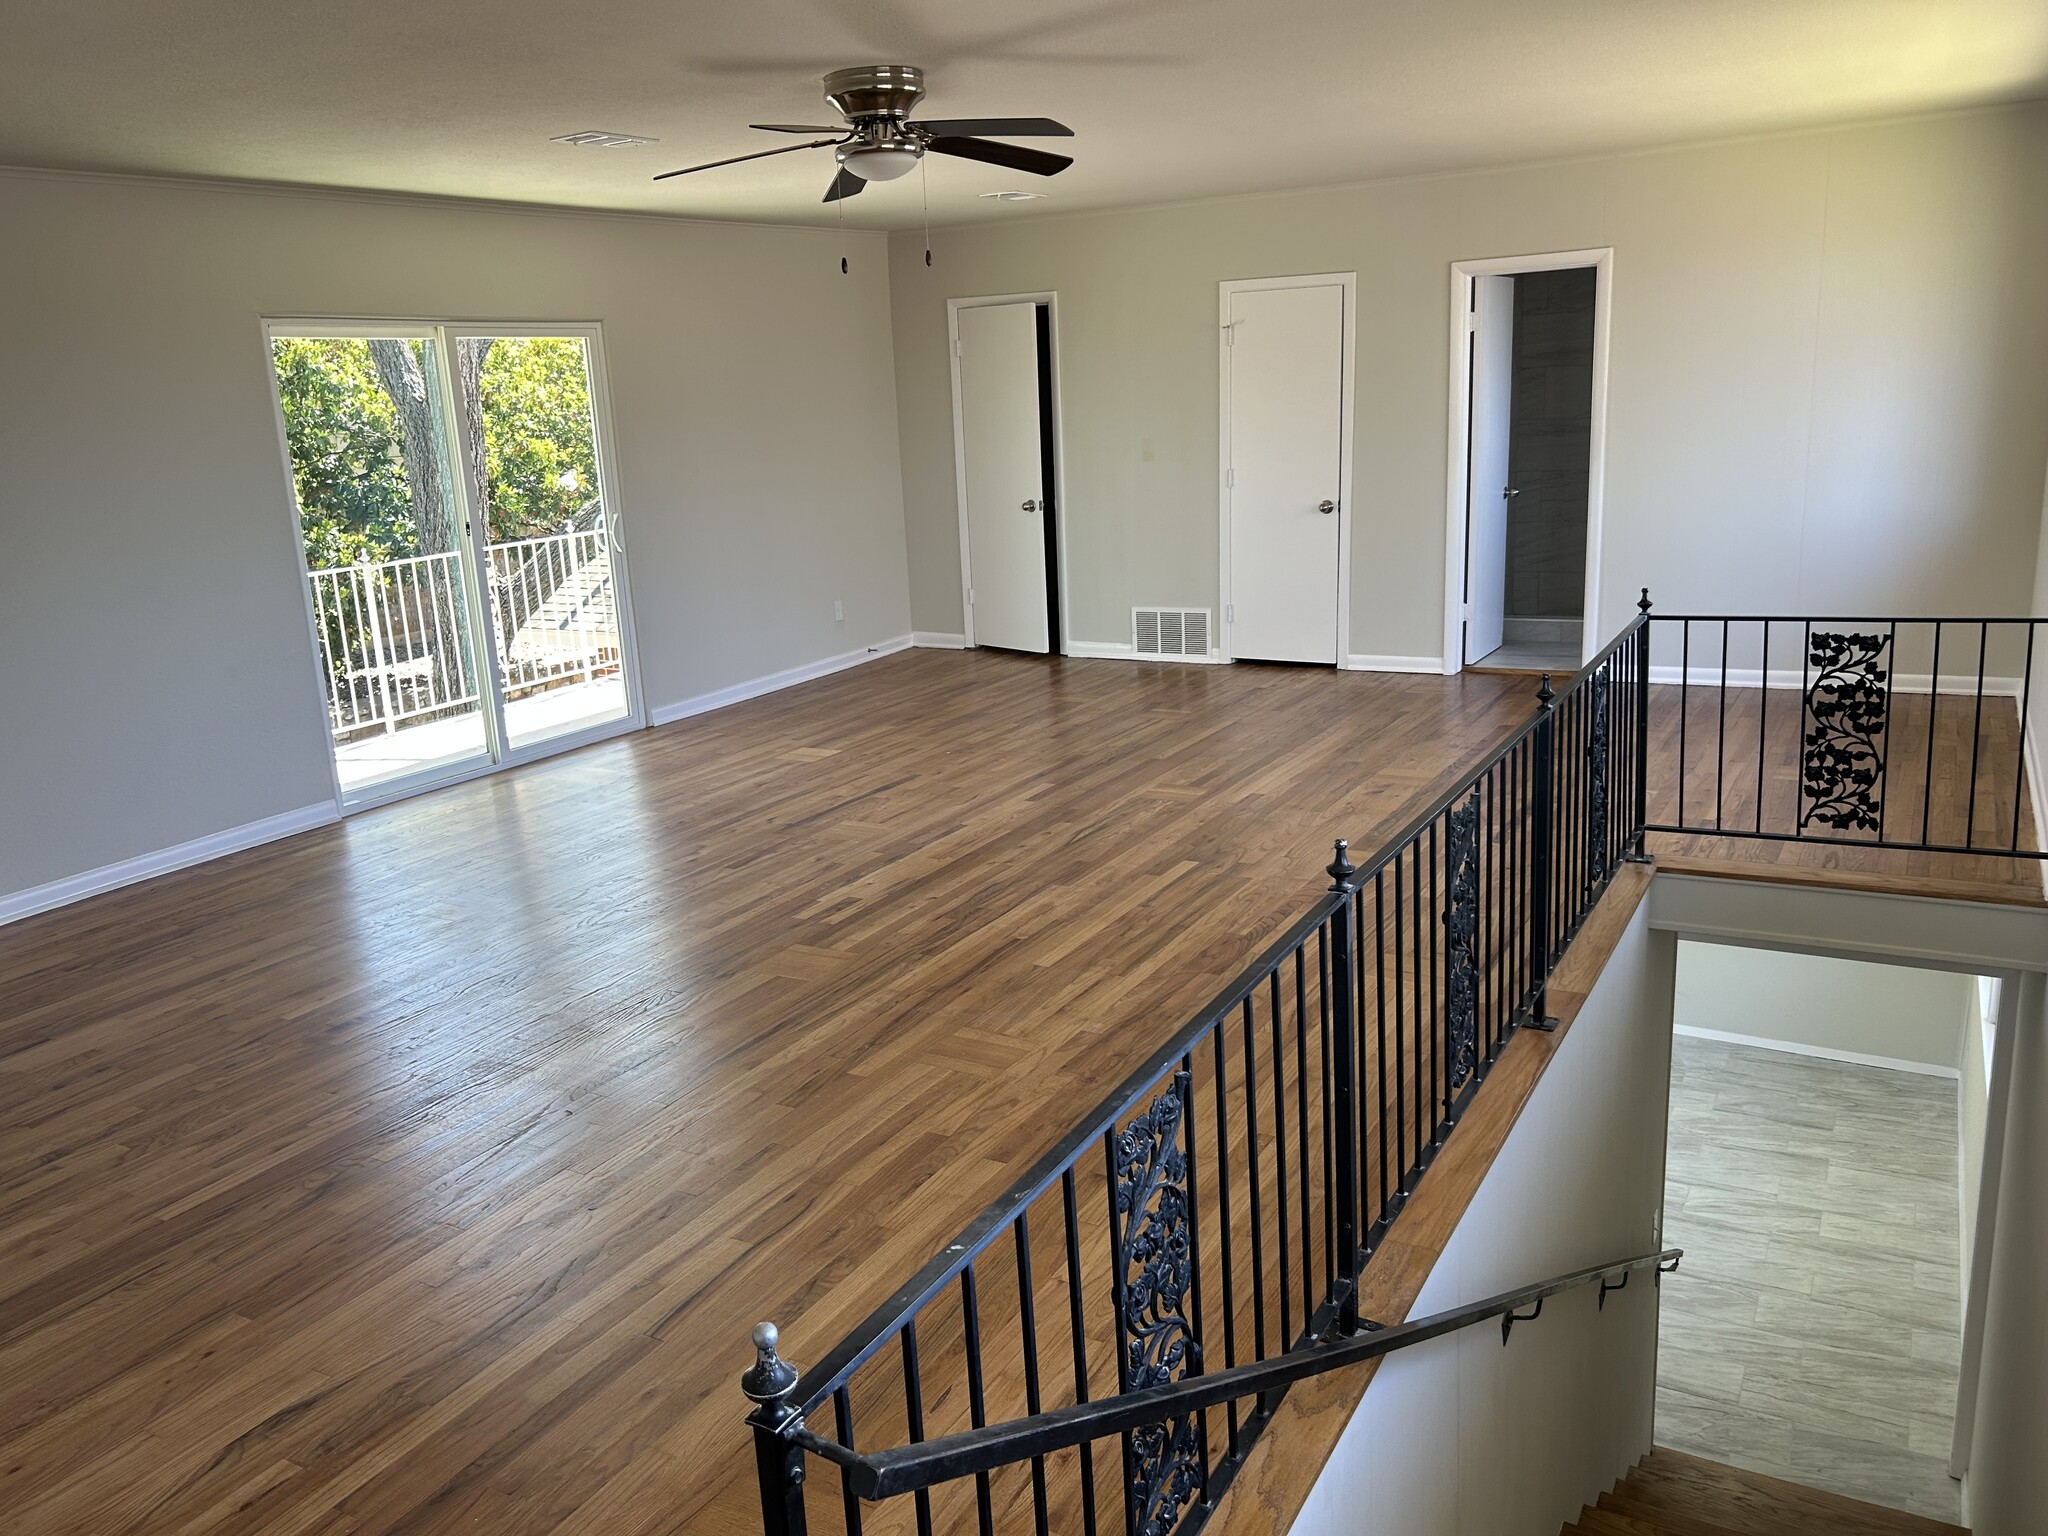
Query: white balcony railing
column 393, row 639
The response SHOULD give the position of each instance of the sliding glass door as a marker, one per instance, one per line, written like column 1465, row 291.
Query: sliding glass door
column 462, row 562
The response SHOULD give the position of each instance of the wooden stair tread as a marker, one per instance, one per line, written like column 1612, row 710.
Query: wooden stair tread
column 1673, row 1494
column 1599, row 1520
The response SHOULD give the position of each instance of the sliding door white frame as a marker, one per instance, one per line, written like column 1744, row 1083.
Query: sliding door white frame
column 499, row 753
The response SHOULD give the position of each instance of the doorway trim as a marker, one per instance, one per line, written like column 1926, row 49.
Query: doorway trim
column 1051, row 300
column 1346, row 412
column 501, row 755
column 1456, row 480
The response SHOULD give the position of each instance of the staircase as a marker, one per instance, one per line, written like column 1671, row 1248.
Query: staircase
column 1673, row 1494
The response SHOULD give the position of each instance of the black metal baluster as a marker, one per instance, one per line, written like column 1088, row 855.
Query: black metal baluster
column 2019, row 783
column 1884, row 756
column 1308, row 1253
column 1401, row 1161
column 1196, row 1324
column 1280, row 1164
column 1077, row 1322
column 1251, row 1156
column 1436, row 1012
column 1643, row 653
column 770, row 1385
column 913, row 1412
column 842, row 1413
column 1329, row 1105
column 1933, row 708
column 1763, row 720
column 1976, row 737
column 1379, row 925
column 1684, row 707
column 1341, row 1110
column 1223, row 1215
column 1721, row 731
column 1542, row 755
column 977, row 1401
column 1485, row 1008
column 1027, row 1323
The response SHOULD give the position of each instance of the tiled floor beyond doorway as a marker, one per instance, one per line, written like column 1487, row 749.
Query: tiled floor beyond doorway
column 1812, row 1332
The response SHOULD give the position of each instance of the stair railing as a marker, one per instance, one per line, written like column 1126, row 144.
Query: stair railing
column 1241, row 1178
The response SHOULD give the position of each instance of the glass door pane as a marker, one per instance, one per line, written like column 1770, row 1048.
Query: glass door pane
column 551, row 559
column 388, row 564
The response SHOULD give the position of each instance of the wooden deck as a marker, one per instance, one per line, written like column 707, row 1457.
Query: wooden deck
column 425, row 1173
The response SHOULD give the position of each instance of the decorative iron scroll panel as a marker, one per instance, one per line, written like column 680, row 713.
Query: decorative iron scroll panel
column 1841, row 755
column 1155, row 1244
column 1596, row 780
column 1461, row 942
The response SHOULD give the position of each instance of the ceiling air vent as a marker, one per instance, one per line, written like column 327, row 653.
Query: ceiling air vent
column 1170, row 633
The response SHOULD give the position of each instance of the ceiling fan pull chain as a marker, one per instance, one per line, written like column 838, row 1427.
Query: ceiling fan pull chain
column 924, row 187
column 840, row 206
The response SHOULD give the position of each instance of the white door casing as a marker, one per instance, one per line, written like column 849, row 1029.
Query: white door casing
column 1285, row 401
column 1487, row 502
column 1002, row 475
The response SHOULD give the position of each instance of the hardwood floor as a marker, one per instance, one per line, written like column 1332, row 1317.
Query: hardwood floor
column 430, row 1169
column 426, row 1172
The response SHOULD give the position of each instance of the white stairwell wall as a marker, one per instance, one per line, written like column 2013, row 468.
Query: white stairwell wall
column 1465, row 1436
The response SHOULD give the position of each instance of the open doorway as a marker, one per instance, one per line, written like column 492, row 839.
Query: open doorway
column 1006, row 463
column 1528, row 399
column 1827, row 1157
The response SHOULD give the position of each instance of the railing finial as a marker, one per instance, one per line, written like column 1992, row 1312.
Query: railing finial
column 1644, row 605
column 771, row 1378
column 1544, row 692
column 1340, row 868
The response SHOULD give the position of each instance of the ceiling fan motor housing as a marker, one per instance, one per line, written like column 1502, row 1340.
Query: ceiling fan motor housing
column 876, row 98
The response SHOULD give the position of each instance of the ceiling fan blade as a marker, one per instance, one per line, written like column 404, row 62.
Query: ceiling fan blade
column 1000, row 127
column 795, row 128
column 844, row 185
column 711, row 165
column 1013, row 156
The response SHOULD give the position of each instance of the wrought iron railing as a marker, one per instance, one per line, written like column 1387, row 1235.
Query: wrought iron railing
column 1886, row 733
column 1210, row 1218
column 394, row 635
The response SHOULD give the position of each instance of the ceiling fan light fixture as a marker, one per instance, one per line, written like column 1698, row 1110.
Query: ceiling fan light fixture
column 880, row 162
column 1011, row 195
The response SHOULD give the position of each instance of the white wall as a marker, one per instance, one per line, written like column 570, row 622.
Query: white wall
column 1850, row 1008
column 1829, row 381
column 1973, row 1102
column 2008, row 1481
column 157, row 679
column 1465, row 1437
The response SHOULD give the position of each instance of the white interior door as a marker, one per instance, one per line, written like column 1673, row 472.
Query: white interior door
column 1486, row 483
column 1283, row 480
column 1003, row 475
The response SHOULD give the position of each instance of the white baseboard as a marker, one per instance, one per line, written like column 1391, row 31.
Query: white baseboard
column 1795, row 1048
column 753, row 688
column 58, row 893
column 1433, row 664
column 937, row 640
column 1123, row 651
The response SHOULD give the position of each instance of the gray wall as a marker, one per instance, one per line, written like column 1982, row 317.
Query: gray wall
column 1816, row 1002
column 159, row 683
column 1461, row 1437
column 1829, row 372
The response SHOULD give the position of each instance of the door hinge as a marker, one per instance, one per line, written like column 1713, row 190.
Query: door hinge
column 956, row 348
column 970, row 597
column 1230, row 613
column 1230, row 477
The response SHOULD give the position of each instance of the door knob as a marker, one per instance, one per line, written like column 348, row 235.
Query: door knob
column 1326, row 507
column 1512, row 491
column 1031, row 506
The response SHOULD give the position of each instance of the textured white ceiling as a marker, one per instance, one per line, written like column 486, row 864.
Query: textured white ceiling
column 1169, row 99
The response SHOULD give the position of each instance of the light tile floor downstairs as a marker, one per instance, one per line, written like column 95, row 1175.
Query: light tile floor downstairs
column 1813, row 1329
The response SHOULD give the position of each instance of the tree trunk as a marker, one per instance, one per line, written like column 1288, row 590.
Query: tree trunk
column 433, row 513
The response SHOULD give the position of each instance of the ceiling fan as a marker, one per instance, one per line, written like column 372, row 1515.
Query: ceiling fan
column 880, row 141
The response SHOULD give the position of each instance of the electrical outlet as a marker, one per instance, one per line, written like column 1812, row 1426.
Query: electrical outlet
column 838, row 611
